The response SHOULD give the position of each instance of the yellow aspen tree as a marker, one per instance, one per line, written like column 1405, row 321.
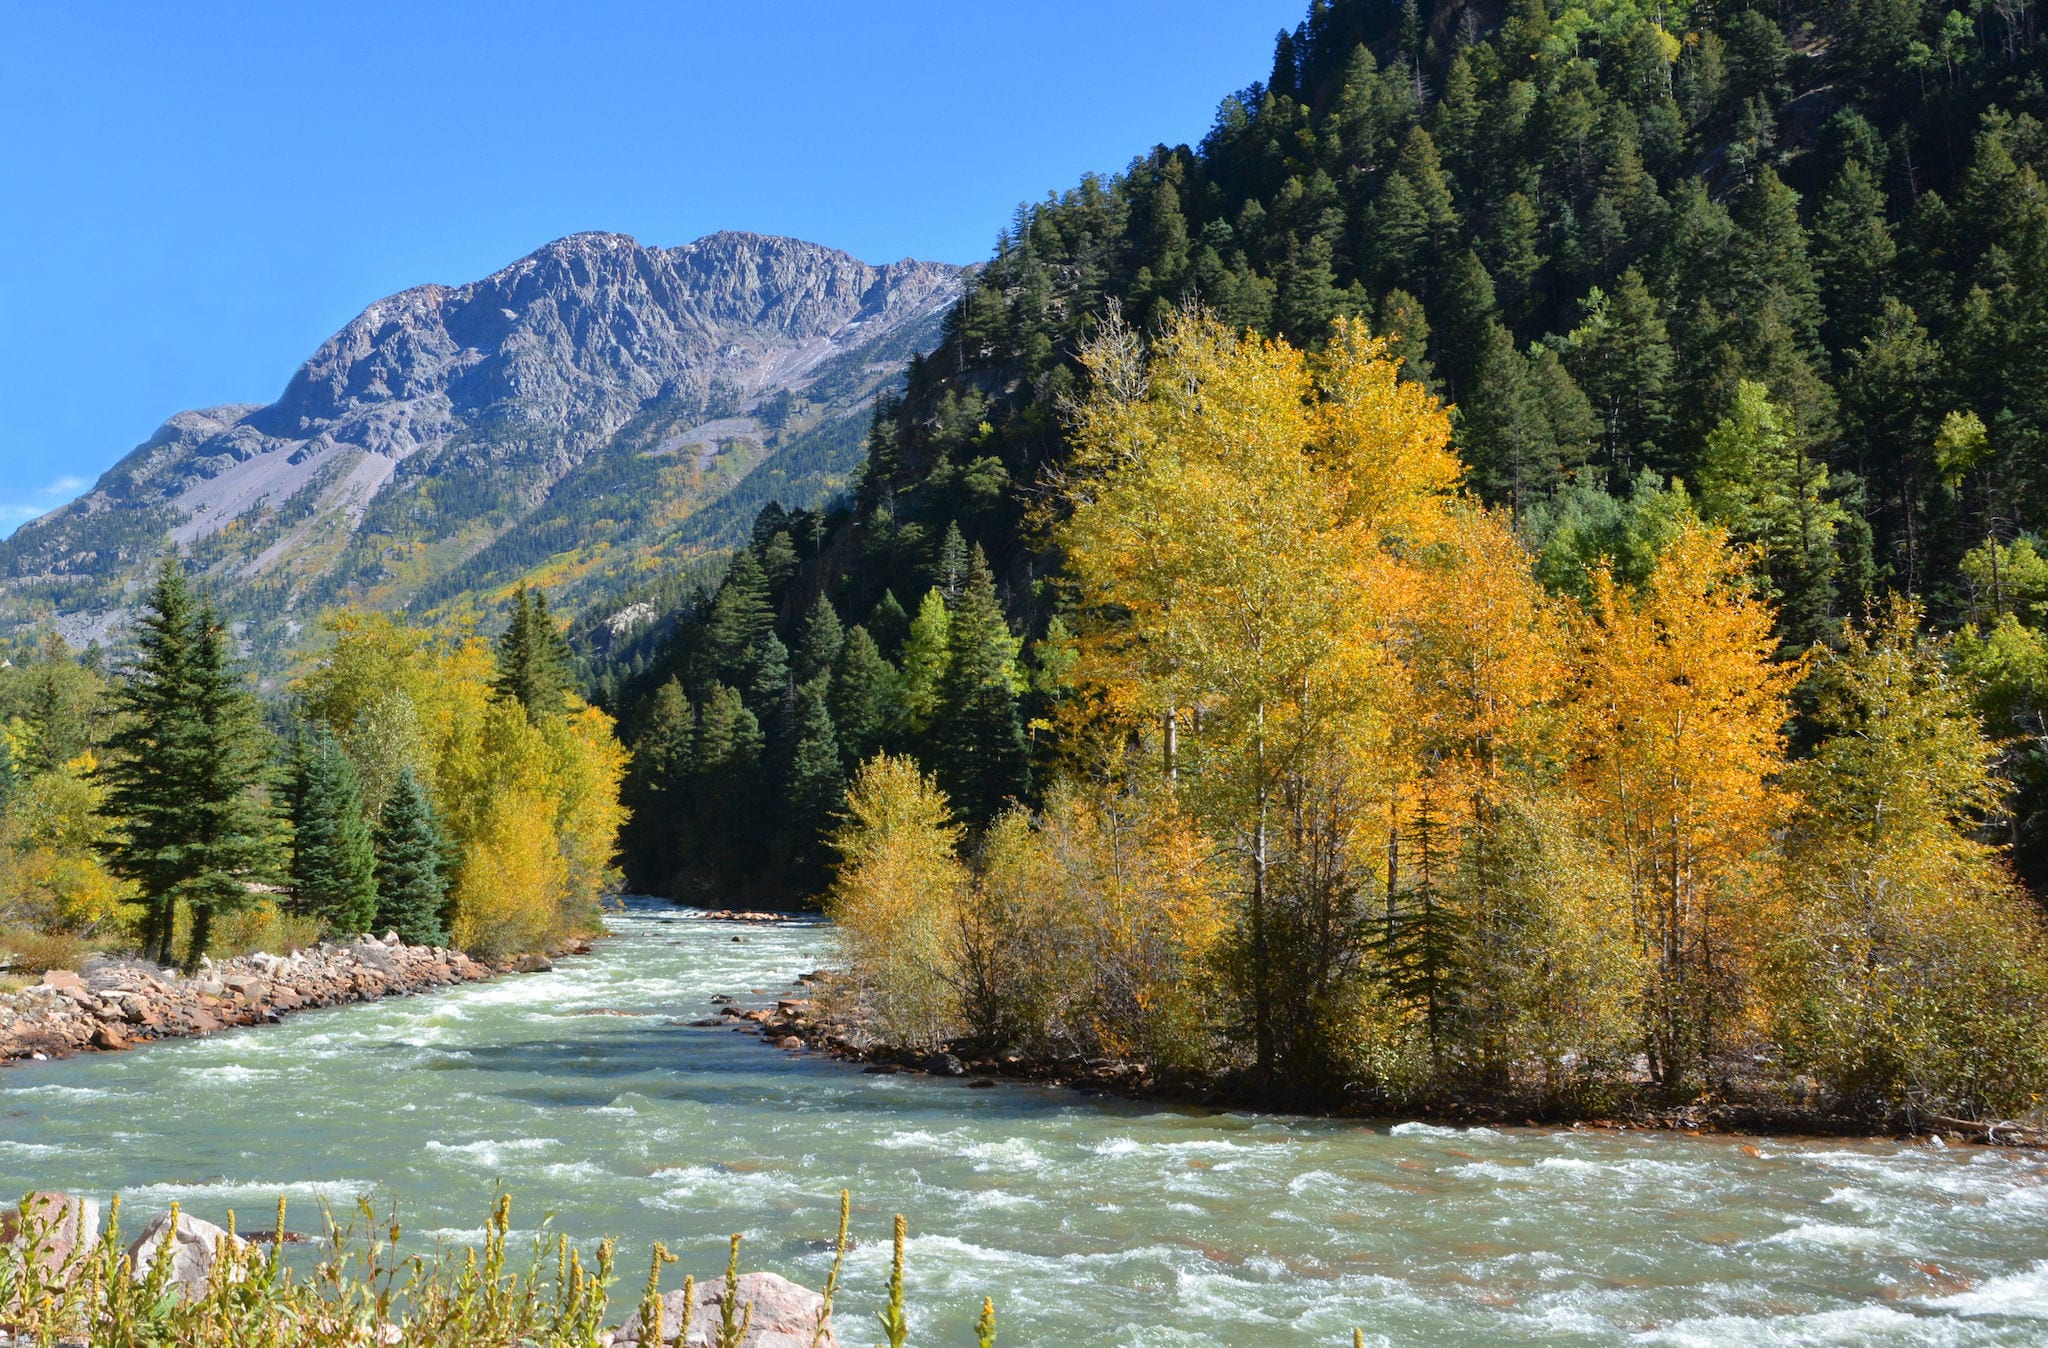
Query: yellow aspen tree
column 897, row 895
column 1909, row 970
column 1680, row 715
column 1231, row 504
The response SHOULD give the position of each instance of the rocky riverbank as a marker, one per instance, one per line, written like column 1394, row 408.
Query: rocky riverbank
column 823, row 1015
column 112, row 1004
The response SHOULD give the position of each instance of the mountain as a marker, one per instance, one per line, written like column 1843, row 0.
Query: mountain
column 579, row 417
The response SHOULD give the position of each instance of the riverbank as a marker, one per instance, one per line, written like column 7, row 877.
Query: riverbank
column 822, row 1014
column 112, row 1004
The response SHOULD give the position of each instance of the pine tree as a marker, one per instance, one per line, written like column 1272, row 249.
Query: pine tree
column 409, row 883
column 187, row 773
column 727, row 782
column 657, row 790
column 1517, row 257
column 1467, row 315
column 976, row 729
column 334, row 862
column 1620, row 356
column 533, row 658
column 863, row 698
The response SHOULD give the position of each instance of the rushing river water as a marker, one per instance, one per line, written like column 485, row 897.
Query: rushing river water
column 1092, row 1222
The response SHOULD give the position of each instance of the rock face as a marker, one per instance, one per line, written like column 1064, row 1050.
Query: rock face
column 785, row 1315
column 597, row 393
column 191, row 1246
column 112, row 1004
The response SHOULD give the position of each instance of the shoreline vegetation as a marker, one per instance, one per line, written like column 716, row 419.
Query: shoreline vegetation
column 823, row 1013
column 1343, row 804
column 448, row 792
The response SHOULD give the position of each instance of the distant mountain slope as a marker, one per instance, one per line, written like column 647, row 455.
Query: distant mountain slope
column 578, row 415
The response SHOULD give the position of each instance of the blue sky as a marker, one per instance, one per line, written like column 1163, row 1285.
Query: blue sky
column 193, row 196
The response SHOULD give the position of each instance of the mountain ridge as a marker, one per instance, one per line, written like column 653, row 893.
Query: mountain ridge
column 442, row 417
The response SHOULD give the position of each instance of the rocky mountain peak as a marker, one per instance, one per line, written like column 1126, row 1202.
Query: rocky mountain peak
column 480, row 401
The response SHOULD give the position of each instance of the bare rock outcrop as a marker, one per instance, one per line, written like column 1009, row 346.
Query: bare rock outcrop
column 112, row 1004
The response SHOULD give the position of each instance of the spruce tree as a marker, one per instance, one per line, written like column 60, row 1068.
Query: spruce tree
column 817, row 642
column 656, row 790
column 533, row 657
column 187, row 772
column 409, row 883
column 862, row 698
column 1401, row 321
column 813, row 789
column 740, row 617
column 334, row 862
column 888, row 624
column 949, row 572
column 977, row 733
column 58, row 716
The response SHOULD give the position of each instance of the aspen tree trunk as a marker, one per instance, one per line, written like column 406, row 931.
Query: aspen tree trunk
column 1262, row 1009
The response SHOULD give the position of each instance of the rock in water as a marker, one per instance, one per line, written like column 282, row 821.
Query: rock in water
column 785, row 1314
column 193, row 1248
column 62, row 1225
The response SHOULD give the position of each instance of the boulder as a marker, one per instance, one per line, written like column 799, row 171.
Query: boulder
column 535, row 964
column 785, row 1314
column 193, row 1248
column 64, row 980
column 66, row 1227
column 108, row 1038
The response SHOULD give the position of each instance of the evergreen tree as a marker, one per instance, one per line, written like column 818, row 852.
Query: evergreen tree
column 533, row 657
column 863, row 698
column 1401, row 321
column 1853, row 250
column 926, row 652
column 187, row 773
column 1620, row 356
column 656, row 790
column 977, row 732
column 727, row 783
column 817, row 643
column 949, row 572
column 334, row 862
column 740, row 618
column 60, row 707
column 1759, row 480
column 888, row 624
column 409, row 883
column 1467, row 315
column 814, row 788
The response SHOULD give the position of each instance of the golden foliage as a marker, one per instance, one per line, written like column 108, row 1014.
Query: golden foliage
column 532, row 811
column 897, row 896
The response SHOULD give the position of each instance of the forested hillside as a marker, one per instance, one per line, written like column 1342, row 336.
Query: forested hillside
column 1776, row 265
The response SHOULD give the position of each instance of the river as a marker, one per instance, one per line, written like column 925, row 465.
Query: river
column 1091, row 1221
